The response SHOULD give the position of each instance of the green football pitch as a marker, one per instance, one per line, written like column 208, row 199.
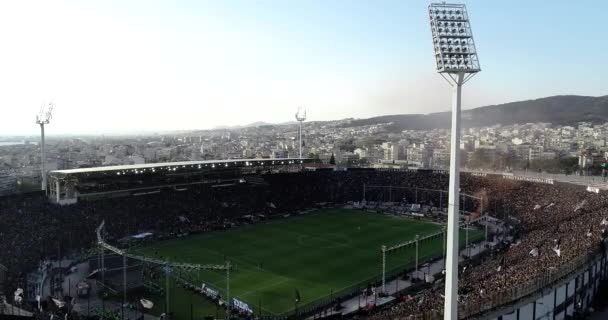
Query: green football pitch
column 320, row 254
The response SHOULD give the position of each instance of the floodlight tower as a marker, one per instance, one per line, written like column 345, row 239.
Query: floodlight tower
column 43, row 117
column 300, row 117
column 456, row 61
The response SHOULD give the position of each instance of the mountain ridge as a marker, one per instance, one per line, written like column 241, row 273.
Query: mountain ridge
column 561, row 109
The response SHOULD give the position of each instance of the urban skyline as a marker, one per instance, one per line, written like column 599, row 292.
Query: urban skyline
column 571, row 149
column 124, row 67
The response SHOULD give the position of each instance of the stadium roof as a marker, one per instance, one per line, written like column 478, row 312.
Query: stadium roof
column 66, row 186
column 183, row 164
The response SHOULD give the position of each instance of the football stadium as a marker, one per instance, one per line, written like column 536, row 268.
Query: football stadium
column 107, row 225
column 296, row 239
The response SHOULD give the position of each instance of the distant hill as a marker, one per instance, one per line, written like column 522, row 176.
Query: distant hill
column 562, row 110
column 254, row 124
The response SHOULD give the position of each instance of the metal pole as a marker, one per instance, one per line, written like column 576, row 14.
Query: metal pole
column 464, row 205
column 167, row 289
column 42, row 157
column 383, row 269
column 300, row 139
column 228, row 289
column 103, row 277
column 444, row 243
column 416, row 195
column 486, row 228
column 124, row 284
column 417, row 241
column 103, row 267
column 450, row 309
column 466, row 241
column 375, row 298
column 397, row 285
column 59, row 255
column 364, row 192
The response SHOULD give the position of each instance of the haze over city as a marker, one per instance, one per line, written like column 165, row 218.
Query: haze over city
column 116, row 66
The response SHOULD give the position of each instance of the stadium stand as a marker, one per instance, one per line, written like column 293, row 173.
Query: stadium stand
column 547, row 226
column 555, row 225
column 67, row 186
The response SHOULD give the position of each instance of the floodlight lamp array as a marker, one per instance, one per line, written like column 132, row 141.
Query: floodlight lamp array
column 452, row 39
column 225, row 164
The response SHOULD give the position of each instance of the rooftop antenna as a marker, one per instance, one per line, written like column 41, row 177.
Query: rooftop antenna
column 456, row 61
column 43, row 117
column 300, row 117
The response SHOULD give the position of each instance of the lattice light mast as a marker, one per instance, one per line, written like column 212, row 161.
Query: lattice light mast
column 301, row 117
column 43, row 117
column 456, row 61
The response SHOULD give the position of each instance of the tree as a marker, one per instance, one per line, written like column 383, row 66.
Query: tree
column 370, row 142
column 506, row 159
column 332, row 160
column 347, row 145
column 479, row 159
column 569, row 164
column 363, row 162
column 313, row 156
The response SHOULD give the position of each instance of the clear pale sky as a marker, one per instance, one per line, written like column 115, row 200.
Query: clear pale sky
column 125, row 66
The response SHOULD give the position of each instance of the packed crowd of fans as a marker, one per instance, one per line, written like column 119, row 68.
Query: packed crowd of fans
column 548, row 225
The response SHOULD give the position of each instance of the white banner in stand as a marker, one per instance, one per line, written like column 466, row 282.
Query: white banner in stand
column 209, row 292
column 240, row 305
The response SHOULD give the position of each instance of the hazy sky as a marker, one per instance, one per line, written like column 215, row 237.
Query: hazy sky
column 119, row 66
